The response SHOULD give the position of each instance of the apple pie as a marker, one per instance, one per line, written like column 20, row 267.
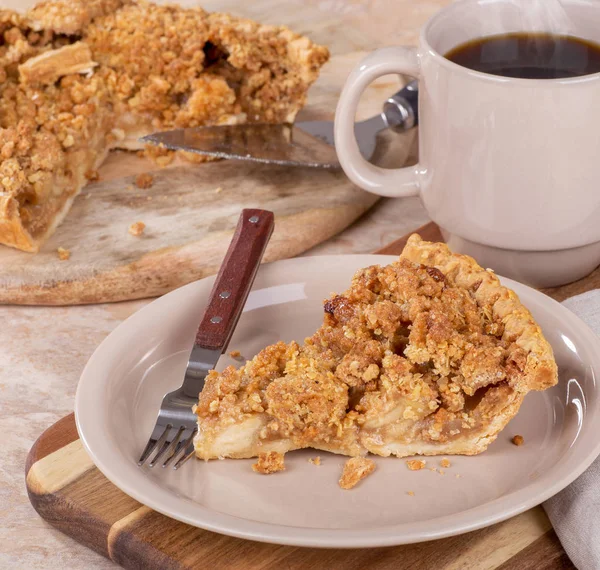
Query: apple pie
column 79, row 77
column 428, row 355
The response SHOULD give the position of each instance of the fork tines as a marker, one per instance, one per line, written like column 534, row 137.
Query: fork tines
column 169, row 449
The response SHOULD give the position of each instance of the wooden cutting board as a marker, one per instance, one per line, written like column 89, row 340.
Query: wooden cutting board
column 72, row 495
column 191, row 210
column 69, row 492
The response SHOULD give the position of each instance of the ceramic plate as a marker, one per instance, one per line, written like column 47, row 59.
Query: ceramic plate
column 122, row 385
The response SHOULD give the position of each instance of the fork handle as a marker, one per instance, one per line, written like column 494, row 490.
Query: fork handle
column 235, row 278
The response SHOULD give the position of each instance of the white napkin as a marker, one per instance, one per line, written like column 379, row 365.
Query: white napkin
column 575, row 511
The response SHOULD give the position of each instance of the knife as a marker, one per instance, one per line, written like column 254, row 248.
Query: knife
column 306, row 143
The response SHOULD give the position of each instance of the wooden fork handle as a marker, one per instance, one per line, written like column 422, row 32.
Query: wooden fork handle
column 235, row 278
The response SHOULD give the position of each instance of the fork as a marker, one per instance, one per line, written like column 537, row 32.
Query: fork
column 173, row 435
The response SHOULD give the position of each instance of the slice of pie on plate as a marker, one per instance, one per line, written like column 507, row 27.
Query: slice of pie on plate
column 428, row 355
column 79, row 77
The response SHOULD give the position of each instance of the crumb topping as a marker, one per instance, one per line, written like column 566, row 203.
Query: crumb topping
column 63, row 254
column 137, row 228
column 144, row 180
column 355, row 470
column 270, row 462
column 417, row 465
column 315, row 460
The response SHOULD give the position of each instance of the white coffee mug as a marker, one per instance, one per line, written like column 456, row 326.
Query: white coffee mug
column 509, row 168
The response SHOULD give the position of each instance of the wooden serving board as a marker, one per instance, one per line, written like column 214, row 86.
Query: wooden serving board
column 69, row 492
column 191, row 210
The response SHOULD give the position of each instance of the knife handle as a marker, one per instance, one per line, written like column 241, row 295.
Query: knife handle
column 401, row 110
column 235, row 278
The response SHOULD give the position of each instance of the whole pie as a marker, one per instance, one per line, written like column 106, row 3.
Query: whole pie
column 428, row 355
column 79, row 77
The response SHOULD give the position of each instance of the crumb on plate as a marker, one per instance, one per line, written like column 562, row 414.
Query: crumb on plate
column 235, row 354
column 518, row 440
column 410, row 493
column 355, row 469
column 445, row 463
column 315, row 460
column 219, row 190
column 416, row 464
column 137, row 228
column 269, row 462
column 92, row 175
column 144, row 180
column 63, row 254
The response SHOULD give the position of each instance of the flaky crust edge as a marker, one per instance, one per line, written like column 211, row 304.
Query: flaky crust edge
column 519, row 325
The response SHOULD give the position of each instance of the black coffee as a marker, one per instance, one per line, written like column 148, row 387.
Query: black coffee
column 529, row 55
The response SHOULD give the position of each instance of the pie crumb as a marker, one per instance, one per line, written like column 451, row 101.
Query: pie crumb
column 355, row 469
column 164, row 160
column 458, row 475
column 218, row 190
column 315, row 460
column 137, row 228
column 269, row 462
column 235, row 354
column 441, row 472
column 144, row 180
column 92, row 175
column 63, row 254
column 518, row 440
column 410, row 493
column 415, row 464
column 445, row 463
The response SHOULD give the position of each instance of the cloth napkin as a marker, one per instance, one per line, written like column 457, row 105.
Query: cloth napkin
column 575, row 511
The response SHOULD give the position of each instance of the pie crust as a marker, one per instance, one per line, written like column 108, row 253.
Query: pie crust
column 79, row 77
column 428, row 355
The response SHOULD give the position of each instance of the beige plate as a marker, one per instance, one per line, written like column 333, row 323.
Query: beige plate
column 122, row 385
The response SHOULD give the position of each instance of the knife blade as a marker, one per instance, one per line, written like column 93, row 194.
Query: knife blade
column 308, row 143
column 282, row 144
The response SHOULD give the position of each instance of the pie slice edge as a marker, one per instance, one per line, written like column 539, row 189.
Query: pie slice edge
column 429, row 355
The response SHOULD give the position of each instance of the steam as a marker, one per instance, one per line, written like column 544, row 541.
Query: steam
column 545, row 16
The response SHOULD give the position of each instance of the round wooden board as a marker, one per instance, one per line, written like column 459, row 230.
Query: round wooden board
column 190, row 213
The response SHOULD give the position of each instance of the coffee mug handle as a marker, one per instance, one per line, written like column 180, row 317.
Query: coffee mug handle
column 385, row 182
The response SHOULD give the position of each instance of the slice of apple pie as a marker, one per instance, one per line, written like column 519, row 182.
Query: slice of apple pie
column 428, row 355
column 79, row 77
